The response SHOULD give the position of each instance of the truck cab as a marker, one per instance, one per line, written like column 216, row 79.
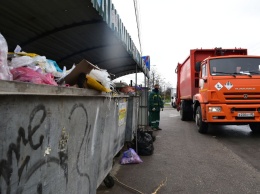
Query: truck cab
column 219, row 86
column 229, row 91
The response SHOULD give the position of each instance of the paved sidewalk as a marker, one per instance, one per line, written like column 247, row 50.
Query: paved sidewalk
column 147, row 176
column 187, row 162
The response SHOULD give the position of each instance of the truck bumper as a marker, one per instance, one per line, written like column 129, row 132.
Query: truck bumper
column 244, row 113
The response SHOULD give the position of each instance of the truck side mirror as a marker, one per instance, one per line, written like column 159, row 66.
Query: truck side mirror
column 197, row 66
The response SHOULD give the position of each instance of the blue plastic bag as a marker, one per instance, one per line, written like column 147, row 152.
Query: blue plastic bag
column 130, row 157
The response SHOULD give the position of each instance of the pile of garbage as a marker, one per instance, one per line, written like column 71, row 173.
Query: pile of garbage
column 124, row 88
column 33, row 68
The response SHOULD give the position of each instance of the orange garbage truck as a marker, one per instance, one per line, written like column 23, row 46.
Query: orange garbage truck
column 219, row 86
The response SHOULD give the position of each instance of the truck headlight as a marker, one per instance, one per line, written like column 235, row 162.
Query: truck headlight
column 215, row 109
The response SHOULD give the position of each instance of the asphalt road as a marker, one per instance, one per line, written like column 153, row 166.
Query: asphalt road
column 226, row 160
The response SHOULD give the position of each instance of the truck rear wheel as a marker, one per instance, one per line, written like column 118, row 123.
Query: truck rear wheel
column 255, row 127
column 183, row 112
column 202, row 126
column 183, row 118
column 186, row 111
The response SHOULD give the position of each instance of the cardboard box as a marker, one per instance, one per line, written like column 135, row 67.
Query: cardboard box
column 83, row 67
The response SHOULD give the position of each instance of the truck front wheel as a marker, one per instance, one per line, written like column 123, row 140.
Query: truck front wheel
column 202, row 126
column 255, row 127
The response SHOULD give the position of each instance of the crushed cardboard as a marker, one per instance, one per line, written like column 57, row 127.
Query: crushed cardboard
column 83, row 67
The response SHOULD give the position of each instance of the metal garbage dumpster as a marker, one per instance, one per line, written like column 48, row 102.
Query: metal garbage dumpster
column 132, row 118
column 143, row 112
column 57, row 140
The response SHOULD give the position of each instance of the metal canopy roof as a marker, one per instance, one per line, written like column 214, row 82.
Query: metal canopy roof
column 69, row 31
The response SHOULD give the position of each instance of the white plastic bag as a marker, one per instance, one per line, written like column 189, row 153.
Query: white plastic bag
column 4, row 69
column 102, row 76
column 21, row 61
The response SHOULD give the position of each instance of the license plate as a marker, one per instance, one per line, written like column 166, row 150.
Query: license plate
column 245, row 114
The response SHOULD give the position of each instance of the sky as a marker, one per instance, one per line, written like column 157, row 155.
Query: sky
column 170, row 28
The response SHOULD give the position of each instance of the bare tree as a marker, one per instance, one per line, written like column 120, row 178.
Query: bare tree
column 155, row 78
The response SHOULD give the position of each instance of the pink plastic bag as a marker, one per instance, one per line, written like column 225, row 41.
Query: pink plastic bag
column 26, row 74
column 130, row 157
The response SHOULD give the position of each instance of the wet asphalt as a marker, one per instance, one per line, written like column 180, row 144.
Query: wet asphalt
column 226, row 160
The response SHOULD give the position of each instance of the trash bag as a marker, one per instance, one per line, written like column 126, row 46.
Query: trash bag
column 130, row 157
column 4, row 69
column 86, row 81
column 144, row 143
column 26, row 74
column 146, row 151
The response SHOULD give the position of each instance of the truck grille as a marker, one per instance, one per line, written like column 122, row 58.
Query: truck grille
column 242, row 96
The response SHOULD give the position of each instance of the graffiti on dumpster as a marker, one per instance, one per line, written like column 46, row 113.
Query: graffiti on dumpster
column 25, row 173
column 6, row 164
column 86, row 137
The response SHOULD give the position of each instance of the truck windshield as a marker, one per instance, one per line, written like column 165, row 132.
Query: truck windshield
column 235, row 66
